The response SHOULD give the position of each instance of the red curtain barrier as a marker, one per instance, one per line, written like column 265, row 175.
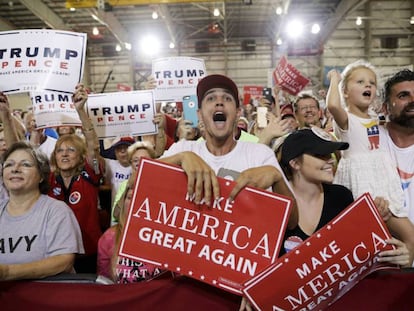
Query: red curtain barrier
column 381, row 291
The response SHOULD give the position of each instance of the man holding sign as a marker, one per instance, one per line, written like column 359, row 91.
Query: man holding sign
column 220, row 154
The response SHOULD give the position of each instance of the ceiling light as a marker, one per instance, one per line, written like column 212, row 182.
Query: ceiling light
column 95, row 31
column 279, row 10
column 358, row 21
column 128, row 46
column 154, row 15
column 150, row 45
column 216, row 12
column 315, row 28
column 172, row 45
column 279, row 41
column 72, row 9
column 118, row 48
column 95, row 17
column 412, row 20
column 295, row 28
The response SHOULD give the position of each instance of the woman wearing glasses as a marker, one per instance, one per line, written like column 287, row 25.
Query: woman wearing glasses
column 41, row 235
column 77, row 174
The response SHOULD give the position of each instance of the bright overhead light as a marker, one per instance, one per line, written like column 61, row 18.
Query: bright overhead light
column 295, row 28
column 412, row 20
column 279, row 41
column 279, row 10
column 118, row 48
column 154, row 15
column 128, row 46
column 95, row 17
column 358, row 21
column 95, row 31
column 216, row 12
column 150, row 45
column 72, row 9
column 315, row 28
column 172, row 45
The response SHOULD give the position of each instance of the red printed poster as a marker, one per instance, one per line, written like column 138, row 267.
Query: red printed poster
column 327, row 265
column 224, row 245
column 288, row 77
column 251, row 92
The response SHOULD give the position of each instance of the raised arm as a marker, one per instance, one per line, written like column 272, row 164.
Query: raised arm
column 80, row 96
column 10, row 130
column 275, row 128
column 333, row 100
column 159, row 140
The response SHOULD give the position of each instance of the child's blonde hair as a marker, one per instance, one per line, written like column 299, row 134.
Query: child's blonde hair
column 350, row 68
column 346, row 74
column 141, row 145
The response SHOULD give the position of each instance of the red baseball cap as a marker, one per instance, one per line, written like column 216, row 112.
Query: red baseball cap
column 216, row 81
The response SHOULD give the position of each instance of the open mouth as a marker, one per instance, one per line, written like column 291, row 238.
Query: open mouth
column 409, row 108
column 367, row 94
column 219, row 117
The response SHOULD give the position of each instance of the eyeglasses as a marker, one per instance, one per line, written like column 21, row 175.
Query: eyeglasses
column 70, row 150
column 305, row 108
column 23, row 164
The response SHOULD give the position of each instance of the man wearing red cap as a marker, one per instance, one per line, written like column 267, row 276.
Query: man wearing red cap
column 250, row 164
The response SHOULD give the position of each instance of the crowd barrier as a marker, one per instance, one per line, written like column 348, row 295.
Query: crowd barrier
column 380, row 292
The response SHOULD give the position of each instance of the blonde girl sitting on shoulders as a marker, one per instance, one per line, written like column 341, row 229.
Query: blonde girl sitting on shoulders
column 363, row 167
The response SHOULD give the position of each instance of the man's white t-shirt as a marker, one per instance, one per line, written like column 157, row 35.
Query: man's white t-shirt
column 404, row 159
column 244, row 156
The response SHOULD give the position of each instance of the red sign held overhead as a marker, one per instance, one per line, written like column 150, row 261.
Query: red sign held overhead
column 288, row 77
column 327, row 265
column 252, row 92
column 224, row 245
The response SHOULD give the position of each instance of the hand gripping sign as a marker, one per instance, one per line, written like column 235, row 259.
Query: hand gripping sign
column 224, row 245
column 324, row 267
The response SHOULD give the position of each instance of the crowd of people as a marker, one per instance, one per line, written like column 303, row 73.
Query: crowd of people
column 321, row 152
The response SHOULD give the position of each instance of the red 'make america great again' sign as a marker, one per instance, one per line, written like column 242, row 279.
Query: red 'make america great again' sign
column 288, row 77
column 224, row 245
column 327, row 265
